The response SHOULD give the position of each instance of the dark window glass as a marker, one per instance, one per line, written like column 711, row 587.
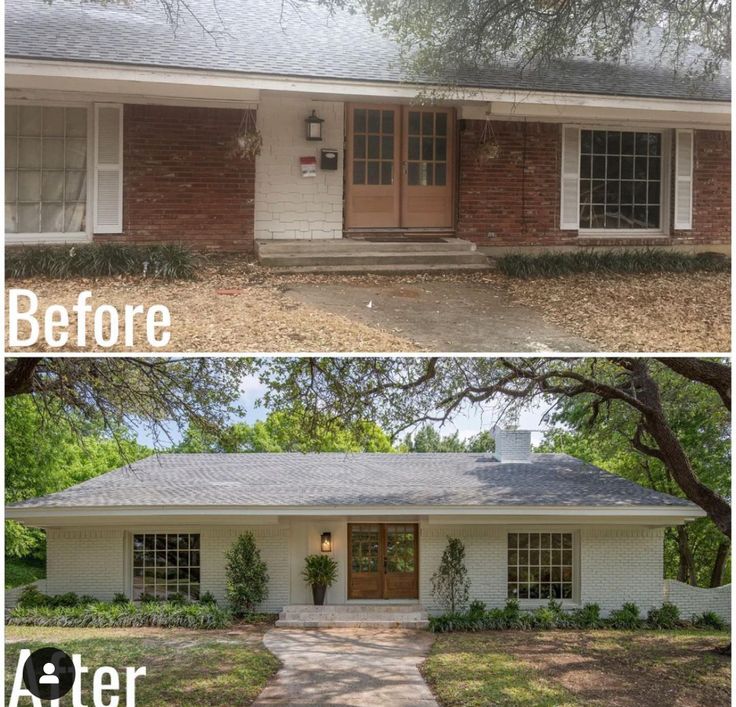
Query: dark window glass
column 359, row 146
column 387, row 147
column 414, row 122
column 413, row 148
column 387, row 122
column 374, row 142
column 358, row 172
column 374, row 121
column 440, row 127
column 359, row 120
column 626, row 169
column 168, row 567
column 373, row 173
column 440, row 175
column 542, row 569
column 387, row 172
column 427, row 123
column 427, row 149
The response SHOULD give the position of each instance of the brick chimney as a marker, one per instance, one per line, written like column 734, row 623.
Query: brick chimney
column 513, row 445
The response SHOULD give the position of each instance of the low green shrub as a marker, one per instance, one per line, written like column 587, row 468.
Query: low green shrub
column 555, row 264
column 709, row 619
column 207, row 598
column 120, row 598
column 627, row 617
column 588, row 616
column 31, row 596
column 667, row 616
column 130, row 615
column 167, row 262
column 553, row 616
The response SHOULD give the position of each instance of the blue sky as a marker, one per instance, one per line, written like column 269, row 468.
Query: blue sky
column 467, row 423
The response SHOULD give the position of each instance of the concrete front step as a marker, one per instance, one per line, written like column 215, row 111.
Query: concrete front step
column 360, row 615
column 344, row 245
column 382, row 269
column 325, row 623
column 377, row 258
column 349, row 256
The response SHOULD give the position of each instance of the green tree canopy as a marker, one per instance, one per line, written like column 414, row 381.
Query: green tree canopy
column 286, row 431
column 46, row 454
column 428, row 439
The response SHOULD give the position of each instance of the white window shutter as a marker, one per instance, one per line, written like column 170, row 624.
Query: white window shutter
column 108, row 185
column 684, row 159
column 570, row 179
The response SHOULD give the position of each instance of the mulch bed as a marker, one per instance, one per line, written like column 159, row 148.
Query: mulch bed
column 238, row 306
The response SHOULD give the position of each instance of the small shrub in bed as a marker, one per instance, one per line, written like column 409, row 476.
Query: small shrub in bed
column 167, row 262
column 588, row 616
column 118, row 615
column 709, row 619
column 556, row 264
column 627, row 617
column 666, row 617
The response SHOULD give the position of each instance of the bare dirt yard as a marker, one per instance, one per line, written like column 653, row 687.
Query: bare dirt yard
column 238, row 306
column 613, row 668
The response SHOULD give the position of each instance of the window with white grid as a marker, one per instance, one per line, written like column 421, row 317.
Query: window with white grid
column 621, row 180
column 45, row 169
column 540, row 565
column 165, row 564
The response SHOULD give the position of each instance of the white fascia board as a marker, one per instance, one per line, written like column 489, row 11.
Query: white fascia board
column 67, row 75
column 497, row 513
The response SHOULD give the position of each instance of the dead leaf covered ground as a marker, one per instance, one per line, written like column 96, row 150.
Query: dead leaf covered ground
column 238, row 306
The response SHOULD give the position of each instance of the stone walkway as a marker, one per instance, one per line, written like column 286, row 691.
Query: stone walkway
column 348, row 667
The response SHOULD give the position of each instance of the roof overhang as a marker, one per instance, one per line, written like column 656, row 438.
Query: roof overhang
column 125, row 83
column 218, row 515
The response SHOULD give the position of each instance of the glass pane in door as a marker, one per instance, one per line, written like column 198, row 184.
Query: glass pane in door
column 365, row 541
column 373, row 140
column 427, row 148
column 400, row 548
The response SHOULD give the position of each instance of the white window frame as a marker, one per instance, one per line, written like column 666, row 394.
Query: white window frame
column 665, row 198
column 536, row 603
column 52, row 238
column 129, row 548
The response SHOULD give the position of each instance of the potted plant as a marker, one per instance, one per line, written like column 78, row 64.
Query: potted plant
column 320, row 572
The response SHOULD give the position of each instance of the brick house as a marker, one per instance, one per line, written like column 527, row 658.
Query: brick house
column 534, row 526
column 119, row 129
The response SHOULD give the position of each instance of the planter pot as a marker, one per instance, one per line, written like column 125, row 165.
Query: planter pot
column 318, row 594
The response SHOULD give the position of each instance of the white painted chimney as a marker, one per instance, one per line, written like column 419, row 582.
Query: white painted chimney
column 513, row 445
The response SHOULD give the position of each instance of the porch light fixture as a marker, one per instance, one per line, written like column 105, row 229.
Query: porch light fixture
column 325, row 542
column 314, row 127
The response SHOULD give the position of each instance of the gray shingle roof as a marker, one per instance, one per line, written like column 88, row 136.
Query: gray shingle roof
column 354, row 479
column 305, row 41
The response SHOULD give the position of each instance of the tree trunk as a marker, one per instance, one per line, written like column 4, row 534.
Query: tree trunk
column 673, row 455
column 716, row 577
column 19, row 379
column 686, row 570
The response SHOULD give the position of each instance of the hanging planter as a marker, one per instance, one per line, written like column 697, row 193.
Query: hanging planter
column 488, row 148
column 248, row 141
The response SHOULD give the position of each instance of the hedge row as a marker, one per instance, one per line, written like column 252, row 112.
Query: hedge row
column 128, row 615
column 166, row 262
column 555, row 264
column 478, row 618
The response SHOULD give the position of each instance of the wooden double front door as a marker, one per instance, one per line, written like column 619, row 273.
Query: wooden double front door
column 400, row 167
column 383, row 561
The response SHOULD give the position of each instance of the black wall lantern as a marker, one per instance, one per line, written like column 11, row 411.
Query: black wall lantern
column 314, row 127
column 325, row 542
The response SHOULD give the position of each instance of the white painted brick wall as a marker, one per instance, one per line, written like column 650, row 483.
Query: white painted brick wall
column 85, row 561
column 616, row 565
column 287, row 205
column 692, row 601
column 619, row 565
column 95, row 560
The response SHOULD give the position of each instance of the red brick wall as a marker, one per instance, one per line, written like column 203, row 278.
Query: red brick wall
column 514, row 200
column 180, row 184
column 711, row 189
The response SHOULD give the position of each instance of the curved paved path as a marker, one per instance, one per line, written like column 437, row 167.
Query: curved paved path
column 345, row 666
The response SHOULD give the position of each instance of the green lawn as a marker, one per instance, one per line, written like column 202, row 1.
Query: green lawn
column 228, row 667
column 19, row 571
column 547, row 668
